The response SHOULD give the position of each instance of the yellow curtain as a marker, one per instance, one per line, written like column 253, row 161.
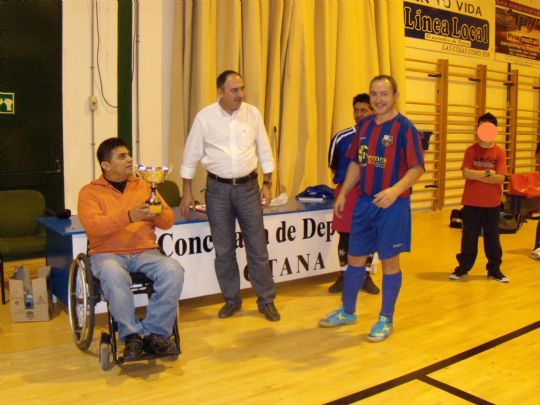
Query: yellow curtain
column 391, row 43
column 302, row 60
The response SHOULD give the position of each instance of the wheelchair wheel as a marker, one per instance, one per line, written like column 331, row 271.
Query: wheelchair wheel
column 105, row 352
column 81, row 302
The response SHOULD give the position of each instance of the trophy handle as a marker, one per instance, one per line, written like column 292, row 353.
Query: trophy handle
column 169, row 170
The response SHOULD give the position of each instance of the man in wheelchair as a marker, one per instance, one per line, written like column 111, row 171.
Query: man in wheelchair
column 121, row 240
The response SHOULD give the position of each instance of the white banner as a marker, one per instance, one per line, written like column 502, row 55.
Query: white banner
column 300, row 244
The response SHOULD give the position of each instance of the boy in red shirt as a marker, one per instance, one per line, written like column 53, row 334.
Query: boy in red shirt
column 484, row 169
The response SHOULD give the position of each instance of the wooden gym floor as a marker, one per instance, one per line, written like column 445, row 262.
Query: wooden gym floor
column 454, row 342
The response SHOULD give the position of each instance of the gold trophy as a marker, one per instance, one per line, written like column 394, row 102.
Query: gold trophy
column 153, row 175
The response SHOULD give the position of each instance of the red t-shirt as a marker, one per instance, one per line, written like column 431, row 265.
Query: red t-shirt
column 477, row 193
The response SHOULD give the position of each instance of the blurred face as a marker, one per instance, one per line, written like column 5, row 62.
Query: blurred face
column 482, row 143
column 232, row 94
column 383, row 99
column 361, row 110
column 120, row 167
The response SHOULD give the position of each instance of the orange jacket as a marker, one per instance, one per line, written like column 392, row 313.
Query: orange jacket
column 103, row 212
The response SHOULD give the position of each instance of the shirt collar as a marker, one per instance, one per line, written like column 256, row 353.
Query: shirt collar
column 225, row 113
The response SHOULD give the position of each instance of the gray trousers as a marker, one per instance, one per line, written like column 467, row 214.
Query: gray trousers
column 226, row 203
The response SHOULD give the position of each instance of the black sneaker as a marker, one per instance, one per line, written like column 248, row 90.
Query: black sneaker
column 337, row 287
column 157, row 344
column 133, row 348
column 457, row 274
column 369, row 286
column 498, row 276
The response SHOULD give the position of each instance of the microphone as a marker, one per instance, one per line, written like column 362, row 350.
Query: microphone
column 277, row 147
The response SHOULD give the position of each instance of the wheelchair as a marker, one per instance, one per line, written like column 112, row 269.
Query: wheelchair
column 84, row 293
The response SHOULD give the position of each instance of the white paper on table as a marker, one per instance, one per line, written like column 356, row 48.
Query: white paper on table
column 279, row 200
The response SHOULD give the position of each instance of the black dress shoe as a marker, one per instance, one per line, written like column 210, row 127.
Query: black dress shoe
column 270, row 312
column 369, row 286
column 337, row 287
column 229, row 309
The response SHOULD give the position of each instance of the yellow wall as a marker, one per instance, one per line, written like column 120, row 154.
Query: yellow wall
column 462, row 113
column 337, row 46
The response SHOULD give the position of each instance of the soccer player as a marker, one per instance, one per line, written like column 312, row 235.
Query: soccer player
column 386, row 160
column 339, row 145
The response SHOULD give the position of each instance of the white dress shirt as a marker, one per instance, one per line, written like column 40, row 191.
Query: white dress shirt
column 227, row 145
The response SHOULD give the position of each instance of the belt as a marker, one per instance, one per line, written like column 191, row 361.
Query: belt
column 239, row 180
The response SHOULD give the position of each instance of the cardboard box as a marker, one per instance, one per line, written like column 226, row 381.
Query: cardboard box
column 30, row 300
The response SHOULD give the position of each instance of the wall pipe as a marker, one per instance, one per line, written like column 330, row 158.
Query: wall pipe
column 92, row 95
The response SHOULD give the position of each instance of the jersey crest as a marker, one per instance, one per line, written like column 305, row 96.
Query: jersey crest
column 387, row 140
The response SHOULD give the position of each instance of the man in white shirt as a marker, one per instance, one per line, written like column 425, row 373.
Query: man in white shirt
column 229, row 139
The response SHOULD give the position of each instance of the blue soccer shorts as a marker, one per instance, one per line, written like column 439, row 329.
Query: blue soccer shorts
column 386, row 231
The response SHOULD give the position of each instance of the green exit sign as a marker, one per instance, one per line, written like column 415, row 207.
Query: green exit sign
column 7, row 103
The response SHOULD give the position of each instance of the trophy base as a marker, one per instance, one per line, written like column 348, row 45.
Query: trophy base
column 155, row 208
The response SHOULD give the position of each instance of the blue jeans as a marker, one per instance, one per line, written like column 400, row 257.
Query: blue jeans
column 168, row 276
column 224, row 204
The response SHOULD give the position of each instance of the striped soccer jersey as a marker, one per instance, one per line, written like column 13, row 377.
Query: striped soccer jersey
column 384, row 153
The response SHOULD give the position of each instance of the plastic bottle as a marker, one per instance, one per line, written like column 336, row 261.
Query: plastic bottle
column 28, row 300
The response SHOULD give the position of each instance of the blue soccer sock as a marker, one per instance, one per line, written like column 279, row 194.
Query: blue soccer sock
column 352, row 282
column 391, row 284
column 537, row 242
